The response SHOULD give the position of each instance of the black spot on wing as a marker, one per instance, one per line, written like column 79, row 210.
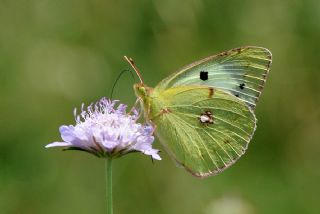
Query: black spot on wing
column 242, row 85
column 204, row 75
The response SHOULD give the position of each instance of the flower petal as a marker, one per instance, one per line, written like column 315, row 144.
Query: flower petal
column 67, row 133
column 153, row 153
column 58, row 144
column 156, row 156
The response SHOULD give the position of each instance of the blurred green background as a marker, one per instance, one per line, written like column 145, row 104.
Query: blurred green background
column 54, row 55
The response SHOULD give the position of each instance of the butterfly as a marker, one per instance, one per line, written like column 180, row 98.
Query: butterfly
column 204, row 113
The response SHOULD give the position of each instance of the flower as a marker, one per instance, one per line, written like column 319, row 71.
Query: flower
column 106, row 131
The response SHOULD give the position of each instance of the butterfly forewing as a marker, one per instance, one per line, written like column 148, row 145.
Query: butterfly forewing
column 203, row 147
column 241, row 72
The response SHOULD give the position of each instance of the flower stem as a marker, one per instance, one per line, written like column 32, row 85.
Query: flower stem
column 109, row 185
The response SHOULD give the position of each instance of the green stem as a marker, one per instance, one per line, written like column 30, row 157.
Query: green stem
column 109, row 185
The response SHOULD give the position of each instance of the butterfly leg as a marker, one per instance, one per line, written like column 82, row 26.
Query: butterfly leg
column 134, row 108
column 161, row 112
column 154, row 128
column 148, row 110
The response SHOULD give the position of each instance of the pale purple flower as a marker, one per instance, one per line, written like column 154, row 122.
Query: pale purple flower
column 107, row 131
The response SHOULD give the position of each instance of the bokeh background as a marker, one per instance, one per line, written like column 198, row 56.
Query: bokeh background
column 54, row 55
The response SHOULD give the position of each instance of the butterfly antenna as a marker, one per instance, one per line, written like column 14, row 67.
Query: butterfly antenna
column 131, row 62
column 115, row 83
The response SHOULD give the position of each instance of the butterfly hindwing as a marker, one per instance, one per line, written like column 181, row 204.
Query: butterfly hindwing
column 240, row 71
column 203, row 128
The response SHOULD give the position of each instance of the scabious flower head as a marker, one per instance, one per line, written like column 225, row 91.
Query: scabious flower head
column 107, row 131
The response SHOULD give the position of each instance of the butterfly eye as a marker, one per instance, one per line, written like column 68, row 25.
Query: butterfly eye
column 140, row 90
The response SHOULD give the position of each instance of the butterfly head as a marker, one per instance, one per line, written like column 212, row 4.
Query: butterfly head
column 142, row 91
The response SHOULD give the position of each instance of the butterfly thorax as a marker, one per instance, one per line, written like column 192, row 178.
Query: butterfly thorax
column 150, row 102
